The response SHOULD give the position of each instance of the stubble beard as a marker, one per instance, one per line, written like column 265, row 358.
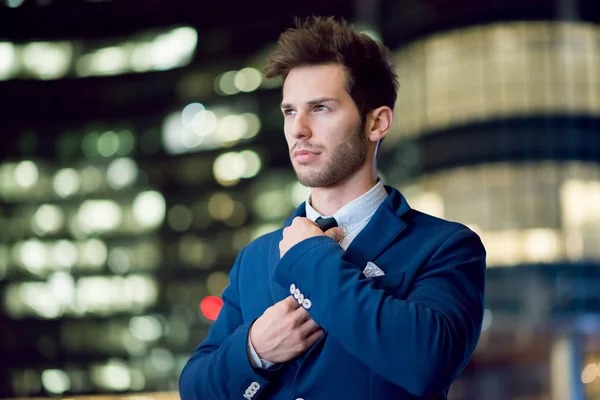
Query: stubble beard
column 346, row 159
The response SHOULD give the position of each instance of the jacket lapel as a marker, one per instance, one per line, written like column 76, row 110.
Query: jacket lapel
column 383, row 228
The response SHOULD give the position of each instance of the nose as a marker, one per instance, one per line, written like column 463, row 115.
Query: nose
column 301, row 127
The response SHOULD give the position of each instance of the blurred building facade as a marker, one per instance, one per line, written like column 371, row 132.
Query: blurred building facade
column 140, row 157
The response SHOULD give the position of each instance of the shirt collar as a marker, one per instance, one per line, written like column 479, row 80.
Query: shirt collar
column 357, row 210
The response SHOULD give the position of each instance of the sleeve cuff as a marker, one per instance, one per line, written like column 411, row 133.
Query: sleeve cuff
column 250, row 378
column 283, row 273
column 255, row 360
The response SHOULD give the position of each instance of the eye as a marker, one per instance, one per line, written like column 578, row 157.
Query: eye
column 289, row 112
column 321, row 107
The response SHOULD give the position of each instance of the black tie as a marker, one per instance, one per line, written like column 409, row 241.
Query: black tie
column 326, row 223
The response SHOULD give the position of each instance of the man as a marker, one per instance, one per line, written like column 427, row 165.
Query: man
column 386, row 305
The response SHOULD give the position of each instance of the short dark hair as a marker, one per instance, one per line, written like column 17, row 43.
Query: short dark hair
column 371, row 82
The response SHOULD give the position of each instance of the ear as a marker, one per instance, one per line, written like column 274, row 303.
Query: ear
column 379, row 122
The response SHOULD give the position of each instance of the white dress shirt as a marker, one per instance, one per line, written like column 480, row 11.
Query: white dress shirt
column 352, row 218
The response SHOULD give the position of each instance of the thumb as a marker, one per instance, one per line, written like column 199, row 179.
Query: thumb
column 291, row 301
column 336, row 233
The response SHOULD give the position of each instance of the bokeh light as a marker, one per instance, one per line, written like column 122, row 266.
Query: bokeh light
column 48, row 218
column 121, row 173
column 66, row 182
column 149, row 209
column 26, row 174
column 56, row 381
column 211, row 307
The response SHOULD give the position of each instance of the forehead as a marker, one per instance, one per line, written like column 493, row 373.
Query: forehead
column 314, row 81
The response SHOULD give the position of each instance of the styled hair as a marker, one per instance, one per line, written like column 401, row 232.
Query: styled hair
column 371, row 81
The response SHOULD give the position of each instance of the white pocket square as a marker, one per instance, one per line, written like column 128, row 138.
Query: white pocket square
column 372, row 270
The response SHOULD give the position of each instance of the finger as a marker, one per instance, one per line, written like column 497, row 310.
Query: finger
column 291, row 302
column 306, row 222
column 301, row 315
column 312, row 339
column 335, row 233
column 309, row 327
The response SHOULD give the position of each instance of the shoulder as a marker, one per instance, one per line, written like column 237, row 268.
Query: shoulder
column 423, row 220
column 421, row 223
column 439, row 228
column 263, row 242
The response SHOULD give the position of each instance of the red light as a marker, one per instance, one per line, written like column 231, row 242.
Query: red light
column 211, row 307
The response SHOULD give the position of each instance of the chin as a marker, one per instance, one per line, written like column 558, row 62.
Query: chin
column 302, row 166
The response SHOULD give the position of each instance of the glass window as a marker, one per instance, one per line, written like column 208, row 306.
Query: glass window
column 535, row 212
column 497, row 71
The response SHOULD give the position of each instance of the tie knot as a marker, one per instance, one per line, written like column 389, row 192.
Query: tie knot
column 326, row 223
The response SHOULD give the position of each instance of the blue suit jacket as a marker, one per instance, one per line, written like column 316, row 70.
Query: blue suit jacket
column 404, row 335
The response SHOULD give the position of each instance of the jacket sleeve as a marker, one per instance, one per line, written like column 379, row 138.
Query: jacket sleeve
column 420, row 342
column 220, row 367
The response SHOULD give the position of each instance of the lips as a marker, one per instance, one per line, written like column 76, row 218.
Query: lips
column 303, row 156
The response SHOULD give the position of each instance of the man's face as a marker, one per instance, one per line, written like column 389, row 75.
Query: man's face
column 323, row 128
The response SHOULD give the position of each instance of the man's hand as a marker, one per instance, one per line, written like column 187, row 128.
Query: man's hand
column 284, row 331
column 303, row 228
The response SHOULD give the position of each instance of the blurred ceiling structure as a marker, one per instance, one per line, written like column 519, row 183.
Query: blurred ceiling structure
column 224, row 28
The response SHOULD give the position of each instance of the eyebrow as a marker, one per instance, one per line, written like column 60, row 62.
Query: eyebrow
column 311, row 102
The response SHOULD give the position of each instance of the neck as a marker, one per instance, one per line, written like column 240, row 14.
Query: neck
column 327, row 200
